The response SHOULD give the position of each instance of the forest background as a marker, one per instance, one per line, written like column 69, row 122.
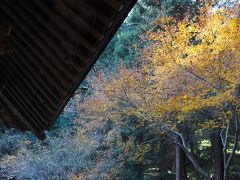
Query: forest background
column 162, row 102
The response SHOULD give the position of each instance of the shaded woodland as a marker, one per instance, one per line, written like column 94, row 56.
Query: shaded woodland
column 162, row 102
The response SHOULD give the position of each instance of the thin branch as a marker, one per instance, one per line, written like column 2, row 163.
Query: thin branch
column 174, row 137
column 224, row 142
column 141, row 6
column 197, row 76
column 151, row 141
column 35, row 161
column 129, row 99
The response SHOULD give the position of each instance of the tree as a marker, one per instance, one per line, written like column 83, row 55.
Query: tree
column 203, row 53
column 192, row 67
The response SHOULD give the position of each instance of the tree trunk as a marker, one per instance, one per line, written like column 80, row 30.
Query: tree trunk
column 218, row 160
column 180, row 163
column 139, row 166
column 195, row 173
column 227, row 162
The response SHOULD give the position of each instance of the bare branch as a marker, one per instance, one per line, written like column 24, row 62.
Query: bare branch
column 224, row 142
column 151, row 141
column 174, row 137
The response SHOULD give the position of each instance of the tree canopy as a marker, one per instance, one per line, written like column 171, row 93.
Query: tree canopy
column 162, row 103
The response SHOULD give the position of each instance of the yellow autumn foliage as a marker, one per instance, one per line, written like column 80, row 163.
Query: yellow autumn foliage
column 190, row 65
column 197, row 61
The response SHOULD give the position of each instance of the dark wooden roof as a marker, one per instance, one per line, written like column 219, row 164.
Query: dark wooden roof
column 46, row 49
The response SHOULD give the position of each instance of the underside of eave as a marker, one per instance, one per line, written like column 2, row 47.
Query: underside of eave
column 47, row 48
